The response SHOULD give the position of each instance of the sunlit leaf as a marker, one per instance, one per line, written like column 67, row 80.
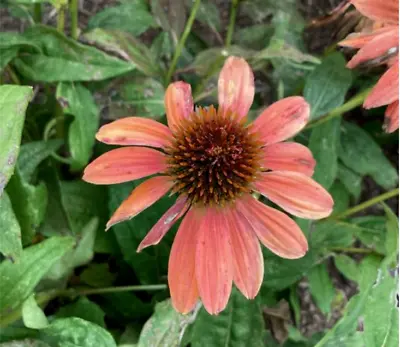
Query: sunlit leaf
column 32, row 315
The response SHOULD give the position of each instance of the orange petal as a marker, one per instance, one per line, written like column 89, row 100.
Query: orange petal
column 142, row 197
column 248, row 262
column 135, row 131
column 181, row 266
column 236, row 86
column 289, row 156
column 386, row 10
column 282, row 119
column 296, row 193
column 165, row 223
column 276, row 231
column 377, row 47
column 386, row 90
column 124, row 164
column 358, row 40
column 214, row 267
column 392, row 117
column 178, row 103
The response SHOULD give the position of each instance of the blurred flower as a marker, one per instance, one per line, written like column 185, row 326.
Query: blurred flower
column 379, row 45
column 214, row 162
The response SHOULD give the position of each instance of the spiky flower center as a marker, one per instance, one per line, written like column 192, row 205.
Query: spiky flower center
column 213, row 158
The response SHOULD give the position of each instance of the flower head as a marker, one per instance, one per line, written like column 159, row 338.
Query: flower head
column 380, row 45
column 213, row 160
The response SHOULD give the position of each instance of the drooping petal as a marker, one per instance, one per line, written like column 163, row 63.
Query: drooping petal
column 178, row 103
column 282, row 119
column 142, row 197
column 236, row 86
column 358, row 40
column 288, row 156
column 214, row 267
column 125, row 164
column 376, row 48
column 248, row 263
column 181, row 265
column 392, row 117
column 165, row 223
column 296, row 193
column 386, row 11
column 386, row 90
column 275, row 230
column 135, row 131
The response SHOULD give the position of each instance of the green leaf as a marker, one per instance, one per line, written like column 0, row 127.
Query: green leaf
column 208, row 14
column 76, row 100
column 6, row 55
column 130, row 16
column 347, row 266
column 255, row 37
column 362, row 154
column 10, row 231
column 32, row 315
column 392, row 232
column 98, row 275
column 18, row 280
column 324, row 142
column 85, row 309
column 76, row 332
column 331, row 234
column 162, row 48
column 65, row 59
column 340, row 196
column 240, row 324
column 321, row 287
column 351, row 180
column 326, row 86
column 370, row 231
column 13, row 103
column 165, row 327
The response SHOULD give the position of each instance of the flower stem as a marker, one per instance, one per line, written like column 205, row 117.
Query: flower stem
column 73, row 9
column 37, row 12
column 182, row 40
column 366, row 204
column 61, row 19
column 232, row 20
column 352, row 250
column 13, row 75
column 338, row 111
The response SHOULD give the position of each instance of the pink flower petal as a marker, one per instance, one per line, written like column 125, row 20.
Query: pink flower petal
column 386, row 90
column 142, row 197
column 236, row 86
column 296, row 193
column 282, row 119
column 386, row 10
column 248, row 262
column 276, row 231
column 178, row 103
column 214, row 267
column 165, row 223
column 288, row 156
column 376, row 48
column 125, row 164
column 392, row 117
column 135, row 131
column 359, row 40
column 181, row 266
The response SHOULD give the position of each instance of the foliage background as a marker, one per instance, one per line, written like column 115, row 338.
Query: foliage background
column 65, row 282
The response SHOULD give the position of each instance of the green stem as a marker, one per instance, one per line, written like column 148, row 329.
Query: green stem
column 352, row 250
column 366, row 204
column 73, row 8
column 232, row 20
column 13, row 75
column 182, row 40
column 37, row 12
column 338, row 111
column 61, row 19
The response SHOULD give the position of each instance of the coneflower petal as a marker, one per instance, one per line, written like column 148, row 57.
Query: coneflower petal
column 275, row 230
column 295, row 193
column 125, row 164
column 282, row 119
column 288, row 156
column 236, row 86
column 359, row 40
column 165, row 223
column 178, row 103
column 181, row 265
column 392, row 117
column 214, row 267
column 135, row 131
column 386, row 11
column 142, row 197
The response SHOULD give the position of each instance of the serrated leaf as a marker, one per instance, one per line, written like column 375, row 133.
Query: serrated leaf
column 347, row 266
column 76, row 332
column 13, row 103
column 360, row 152
column 321, row 287
column 32, row 315
column 17, row 280
column 350, row 179
column 326, row 86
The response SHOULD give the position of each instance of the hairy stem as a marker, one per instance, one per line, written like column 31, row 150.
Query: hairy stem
column 232, row 20
column 61, row 19
column 37, row 12
column 73, row 9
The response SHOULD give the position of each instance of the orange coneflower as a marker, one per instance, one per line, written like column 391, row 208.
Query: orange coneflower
column 380, row 45
column 214, row 162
